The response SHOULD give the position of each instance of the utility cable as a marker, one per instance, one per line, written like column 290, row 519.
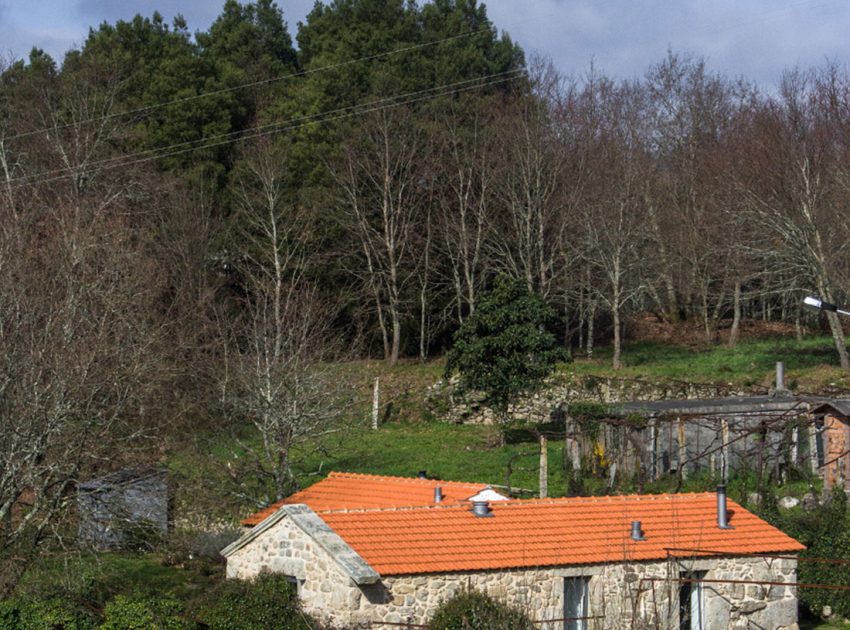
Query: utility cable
column 244, row 86
column 322, row 117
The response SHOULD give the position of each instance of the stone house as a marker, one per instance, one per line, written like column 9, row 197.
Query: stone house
column 395, row 552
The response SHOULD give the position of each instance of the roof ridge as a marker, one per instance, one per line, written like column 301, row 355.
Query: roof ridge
column 519, row 503
column 355, row 475
column 396, row 508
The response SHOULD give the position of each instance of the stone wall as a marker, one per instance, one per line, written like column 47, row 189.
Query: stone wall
column 635, row 595
column 565, row 387
column 324, row 588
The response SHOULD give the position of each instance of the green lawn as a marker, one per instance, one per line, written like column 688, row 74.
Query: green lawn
column 810, row 363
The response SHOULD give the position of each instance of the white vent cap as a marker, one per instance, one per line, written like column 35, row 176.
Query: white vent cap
column 488, row 495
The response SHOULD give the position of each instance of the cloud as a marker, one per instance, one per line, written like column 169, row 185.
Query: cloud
column 757, row 39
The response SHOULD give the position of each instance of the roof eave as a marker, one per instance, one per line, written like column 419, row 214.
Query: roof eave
column 310, row 523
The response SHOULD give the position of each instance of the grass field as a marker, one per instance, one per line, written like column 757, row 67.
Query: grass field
column 411, row 438
column 810, row 364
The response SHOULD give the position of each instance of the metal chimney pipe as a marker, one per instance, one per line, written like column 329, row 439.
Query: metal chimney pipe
column 780, row 375
column 438, row 494
column 722, row 512
column 481, row 509
column 637, row 533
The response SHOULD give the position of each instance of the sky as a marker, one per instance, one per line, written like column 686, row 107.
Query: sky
column 756, row 39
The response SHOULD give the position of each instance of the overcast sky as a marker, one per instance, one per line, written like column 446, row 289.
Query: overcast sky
column 753, row 38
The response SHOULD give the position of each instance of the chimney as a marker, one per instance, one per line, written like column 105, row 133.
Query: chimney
column 637, row 533
column 438, row 494
column 722, row 513
column 422, row 474
column 780, row 376
column 481, row 509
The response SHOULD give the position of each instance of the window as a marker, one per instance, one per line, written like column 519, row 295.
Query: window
column 692, row 602
column 294, row 584
column 576, row 603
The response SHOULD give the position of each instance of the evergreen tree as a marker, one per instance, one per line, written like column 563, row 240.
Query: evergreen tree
column 505, row 348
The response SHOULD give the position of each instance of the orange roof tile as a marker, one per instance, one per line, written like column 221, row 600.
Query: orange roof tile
column 340, row 491
column 549, row 532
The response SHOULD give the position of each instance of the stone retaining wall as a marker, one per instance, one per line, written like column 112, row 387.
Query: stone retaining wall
column 563, row 388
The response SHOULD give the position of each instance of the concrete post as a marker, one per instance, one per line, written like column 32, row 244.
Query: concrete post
column 724, row 450
column 653, row 449
column 813, row 447
column 780, row 376
column 544, row 467
column 376, row 395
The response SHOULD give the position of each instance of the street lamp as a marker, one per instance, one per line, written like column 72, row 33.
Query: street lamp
column 820, row 305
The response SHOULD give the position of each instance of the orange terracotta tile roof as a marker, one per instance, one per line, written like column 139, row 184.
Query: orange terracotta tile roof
column 552, row 532
column 341, row 491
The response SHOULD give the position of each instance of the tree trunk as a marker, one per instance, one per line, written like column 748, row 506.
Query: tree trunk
column 616, row 364
column 396, row 347
column 838, row 337
column 734, row 332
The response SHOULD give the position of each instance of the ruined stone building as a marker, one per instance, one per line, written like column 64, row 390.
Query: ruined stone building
column 364, row 548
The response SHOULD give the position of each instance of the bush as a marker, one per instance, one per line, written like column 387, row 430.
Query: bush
column 471, row 610
column 32, row 614
column 505, row 348
column 828, row 536
column 268, row 601
column 142, row 613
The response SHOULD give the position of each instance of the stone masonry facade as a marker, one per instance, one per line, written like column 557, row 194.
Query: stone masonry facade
column 340, row 588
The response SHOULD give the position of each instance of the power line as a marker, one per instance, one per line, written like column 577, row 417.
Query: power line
column 243, row 86
column 322, row 117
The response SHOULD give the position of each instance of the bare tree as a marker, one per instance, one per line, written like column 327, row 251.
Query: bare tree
column 612, row 221
column 790, row 174
column 379, row 181
column 465, row 160
column 81, row 365
column 278, row 343
column 529, row 176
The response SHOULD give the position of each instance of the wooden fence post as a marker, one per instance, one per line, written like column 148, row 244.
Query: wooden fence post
column 683, row 449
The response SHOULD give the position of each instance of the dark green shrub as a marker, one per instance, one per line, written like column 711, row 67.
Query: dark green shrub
column 33, row 614
column 472, row 610
column 826, row 537
column 505, row 349
column 268, row 601
column 143, row 613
